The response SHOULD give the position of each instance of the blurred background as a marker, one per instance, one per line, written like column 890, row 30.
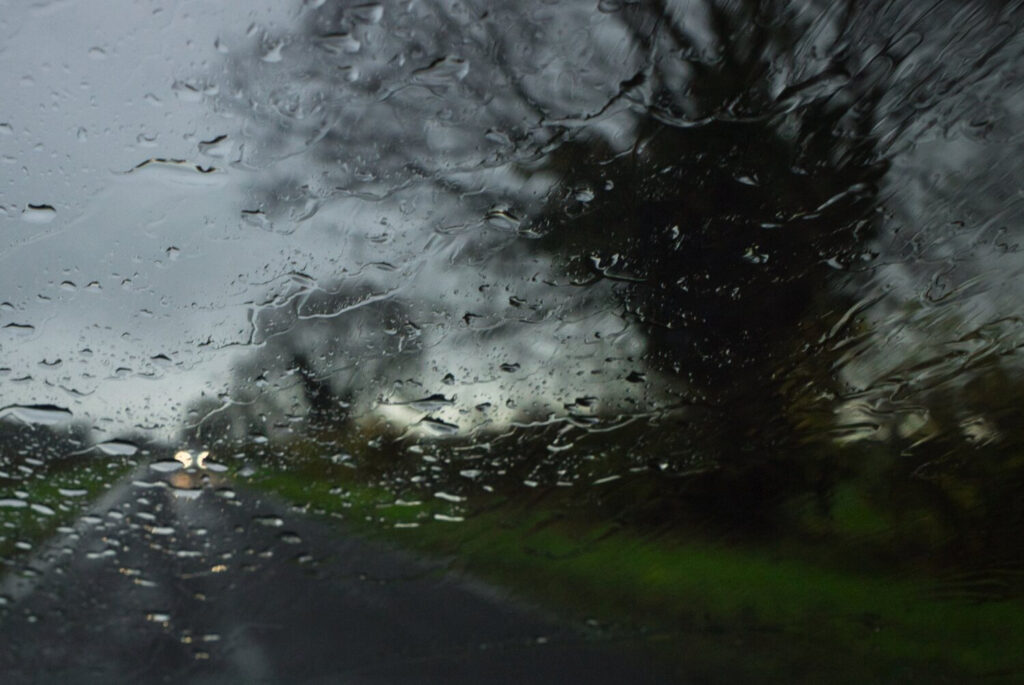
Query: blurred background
column 695, row 322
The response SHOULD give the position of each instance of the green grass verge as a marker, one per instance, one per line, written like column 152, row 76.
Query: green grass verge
column 722, row 612
column 52, row 498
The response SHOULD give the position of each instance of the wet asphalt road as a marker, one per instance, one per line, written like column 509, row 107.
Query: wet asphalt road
column 163, row 584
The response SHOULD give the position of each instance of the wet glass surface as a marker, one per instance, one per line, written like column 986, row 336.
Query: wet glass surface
column 534, row 341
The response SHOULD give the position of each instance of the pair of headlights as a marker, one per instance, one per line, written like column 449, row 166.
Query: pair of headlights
column 188, row 461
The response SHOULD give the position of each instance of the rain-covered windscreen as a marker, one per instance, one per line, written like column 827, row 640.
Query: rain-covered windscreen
column 513, row 341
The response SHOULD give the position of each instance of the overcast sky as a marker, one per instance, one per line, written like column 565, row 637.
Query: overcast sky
column 129, row 266
column 135, row 292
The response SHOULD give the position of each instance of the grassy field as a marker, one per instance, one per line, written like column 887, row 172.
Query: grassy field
column 51, row 498
column 720, row 610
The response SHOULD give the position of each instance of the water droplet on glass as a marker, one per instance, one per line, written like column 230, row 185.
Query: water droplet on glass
column 437, row 426
column 39, row 214
column 339, row 43
column 190, row 92
column 503, row 218
column 217, row 147
column 42, row 509
column 255, row 218
column 368, row 13
column 166, row 466
column 273, row 54
column 428, row 404
column 38, row 414
column 72, row 492
column 270, row 521
column 22, row 329
column 448, row 518
column 120, row 448
column 442, row 72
